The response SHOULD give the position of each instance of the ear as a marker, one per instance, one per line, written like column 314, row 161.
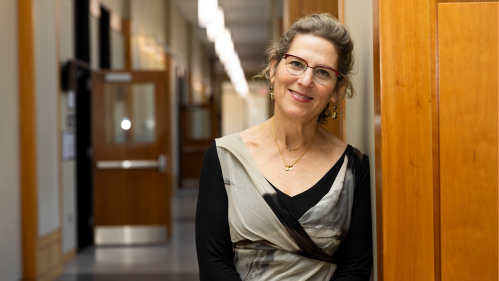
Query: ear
column 338, row 94
column 273, row 63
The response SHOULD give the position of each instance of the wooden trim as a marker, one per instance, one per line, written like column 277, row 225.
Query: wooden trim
column 378, row 140
column 341, row 11
column 69, row 255
column 27, row 119
column 127, row 39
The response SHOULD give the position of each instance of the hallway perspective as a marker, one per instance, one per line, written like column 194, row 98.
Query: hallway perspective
column 174, row 261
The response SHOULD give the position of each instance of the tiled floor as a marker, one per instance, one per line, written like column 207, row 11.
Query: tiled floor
column 175, row 261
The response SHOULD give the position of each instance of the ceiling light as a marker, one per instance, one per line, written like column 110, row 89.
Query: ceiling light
column 223, row 43
column 207, row 10
column 216, row 27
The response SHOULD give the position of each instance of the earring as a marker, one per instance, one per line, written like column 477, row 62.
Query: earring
column 335, row 114
column 272, row 93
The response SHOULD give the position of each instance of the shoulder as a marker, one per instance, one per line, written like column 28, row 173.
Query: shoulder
column 257, row 136
column 358, row 154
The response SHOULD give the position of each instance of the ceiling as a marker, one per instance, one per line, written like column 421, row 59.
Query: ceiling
column 249, row 22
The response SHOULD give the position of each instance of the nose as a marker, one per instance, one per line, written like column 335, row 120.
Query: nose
column 307, row 77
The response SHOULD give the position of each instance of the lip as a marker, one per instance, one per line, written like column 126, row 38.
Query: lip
column 298, row 98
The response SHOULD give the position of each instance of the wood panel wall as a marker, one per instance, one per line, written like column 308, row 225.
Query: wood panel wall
column 408, row 141
column 468, row 105
column 405, row 136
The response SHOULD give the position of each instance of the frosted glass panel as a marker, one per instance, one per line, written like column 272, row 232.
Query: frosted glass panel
column 130, row 113
column 199, row 120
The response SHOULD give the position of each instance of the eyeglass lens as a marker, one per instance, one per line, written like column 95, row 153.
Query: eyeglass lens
column 297, row 66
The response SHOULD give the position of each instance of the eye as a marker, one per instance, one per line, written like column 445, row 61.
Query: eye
column 296, row 64
column 323, row 73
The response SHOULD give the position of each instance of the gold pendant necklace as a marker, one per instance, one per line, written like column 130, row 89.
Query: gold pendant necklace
column 289, row 167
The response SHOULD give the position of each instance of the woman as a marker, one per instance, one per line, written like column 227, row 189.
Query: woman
column 287, row 200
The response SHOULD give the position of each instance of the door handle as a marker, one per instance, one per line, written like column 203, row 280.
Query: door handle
column 159, row 164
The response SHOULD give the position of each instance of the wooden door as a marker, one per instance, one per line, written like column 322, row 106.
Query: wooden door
column 130, row 154
column 197, row 131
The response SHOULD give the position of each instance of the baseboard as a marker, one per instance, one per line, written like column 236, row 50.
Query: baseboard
column 49, row 262
column 69, row 255
column 51, row 274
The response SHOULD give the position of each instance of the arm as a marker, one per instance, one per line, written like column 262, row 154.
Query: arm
column 213, row 243
column 354, row 254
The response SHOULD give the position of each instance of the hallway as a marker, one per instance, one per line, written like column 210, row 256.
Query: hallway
column 175, row 261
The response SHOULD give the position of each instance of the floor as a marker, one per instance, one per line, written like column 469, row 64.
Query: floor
column 175, row 261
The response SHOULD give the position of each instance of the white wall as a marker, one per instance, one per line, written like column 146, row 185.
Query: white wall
column 47, row 91
column 199, row 66
column 122, row 7
column 360, row 109
column 148, row 17
column 94, row 43
column 117, row 50
column 233, row 118
column 238, row 113
column 10, row 208
column 66, row 45
column 178, row 30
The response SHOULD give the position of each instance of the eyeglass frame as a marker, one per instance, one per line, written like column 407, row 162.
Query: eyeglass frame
column 313, row 68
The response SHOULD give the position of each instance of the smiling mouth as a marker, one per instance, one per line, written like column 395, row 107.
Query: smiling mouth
column 300, row 96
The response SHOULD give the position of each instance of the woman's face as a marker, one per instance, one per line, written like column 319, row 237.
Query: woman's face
column 300, row 97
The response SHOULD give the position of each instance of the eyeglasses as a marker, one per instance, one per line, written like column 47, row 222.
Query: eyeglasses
column 322, row 74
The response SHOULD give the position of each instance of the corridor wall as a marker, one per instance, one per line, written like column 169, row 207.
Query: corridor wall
column 148, row 18
column 360, row 109
column 46, row 75
column 178, row 40
column 66, row 52
column 10, row 217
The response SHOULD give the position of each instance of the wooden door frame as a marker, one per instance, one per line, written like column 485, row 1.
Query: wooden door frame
column 27, row 147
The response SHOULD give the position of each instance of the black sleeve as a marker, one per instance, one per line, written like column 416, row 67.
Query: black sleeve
column 354, row 255
column 213, row 244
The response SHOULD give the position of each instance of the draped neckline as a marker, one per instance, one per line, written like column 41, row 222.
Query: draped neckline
column 253, row 163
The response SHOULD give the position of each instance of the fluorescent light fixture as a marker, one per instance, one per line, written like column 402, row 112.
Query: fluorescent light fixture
column 223, row 43
column 216, row 27
column 207, row 9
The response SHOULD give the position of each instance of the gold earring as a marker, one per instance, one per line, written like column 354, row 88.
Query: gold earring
column 272, row 93
column 335, row 114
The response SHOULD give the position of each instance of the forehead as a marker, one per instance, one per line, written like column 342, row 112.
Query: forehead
column 314, row 49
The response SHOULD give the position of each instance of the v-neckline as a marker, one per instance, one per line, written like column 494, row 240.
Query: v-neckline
column 315, row 185
column 252, row 161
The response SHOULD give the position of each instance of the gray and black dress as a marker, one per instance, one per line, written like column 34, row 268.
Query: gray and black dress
column 249, row 230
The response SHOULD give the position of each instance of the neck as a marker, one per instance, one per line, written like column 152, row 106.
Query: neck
column 292, row 133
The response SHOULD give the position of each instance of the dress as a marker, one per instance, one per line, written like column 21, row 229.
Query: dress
column 264, row 246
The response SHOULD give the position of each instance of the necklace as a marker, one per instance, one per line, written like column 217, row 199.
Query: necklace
column 291, row 149
column 289, row 167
